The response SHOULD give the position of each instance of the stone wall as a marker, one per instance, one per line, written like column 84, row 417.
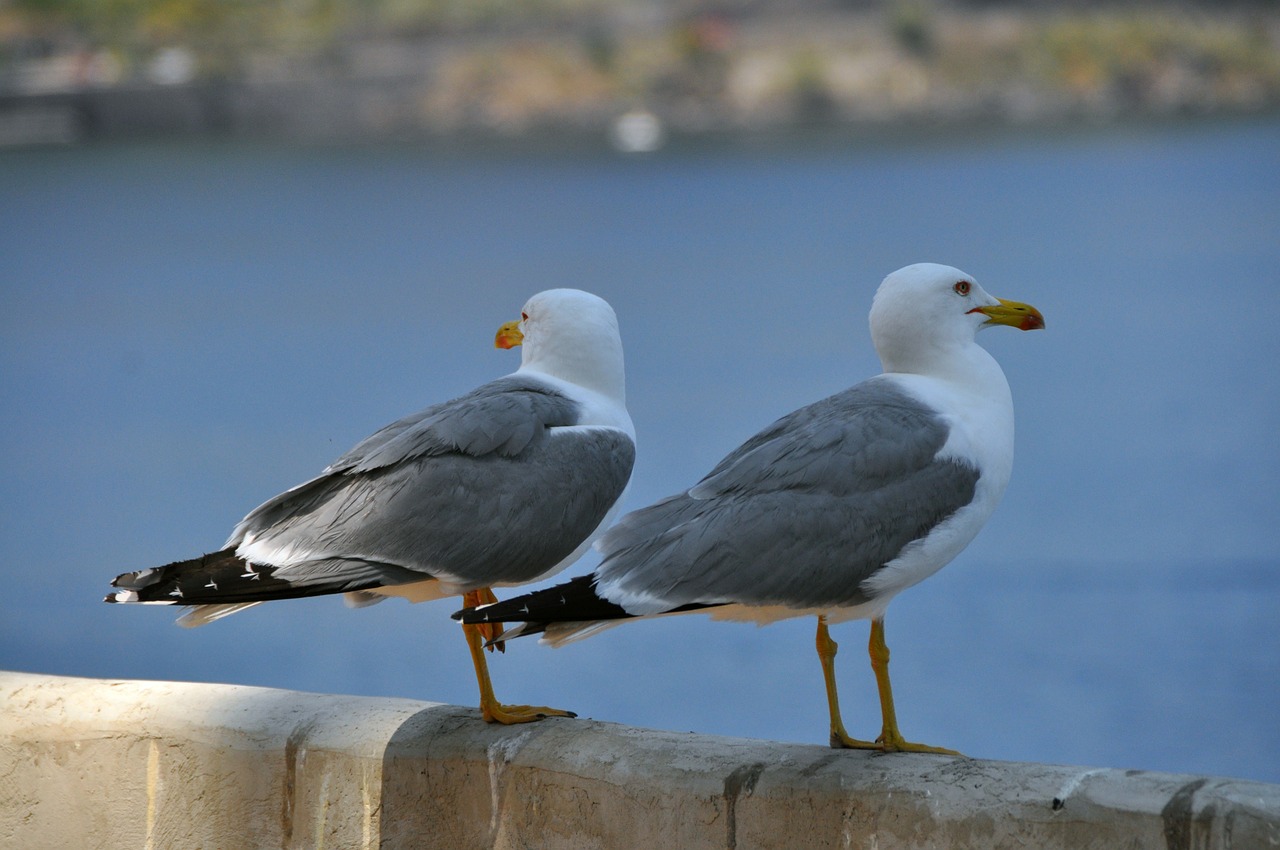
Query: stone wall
column 91, row 763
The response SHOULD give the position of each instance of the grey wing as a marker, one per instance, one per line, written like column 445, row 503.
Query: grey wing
column 799, row 515
column 474, row 520
column 502, row 416
column 854, row 441
column 483, row 489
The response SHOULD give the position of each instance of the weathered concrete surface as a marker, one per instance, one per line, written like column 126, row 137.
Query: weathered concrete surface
column 91, row 763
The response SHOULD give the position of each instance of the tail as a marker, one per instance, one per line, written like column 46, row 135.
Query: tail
column 574, row 603
column 217, row 584
column 565, row 612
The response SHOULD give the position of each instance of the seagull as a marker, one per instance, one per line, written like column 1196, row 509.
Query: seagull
column 507, row 484
column 832, row 510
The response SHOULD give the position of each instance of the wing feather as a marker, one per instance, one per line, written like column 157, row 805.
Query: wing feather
column 495, row 486
column 858, row 469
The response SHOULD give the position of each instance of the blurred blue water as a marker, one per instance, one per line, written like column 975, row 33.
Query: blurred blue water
column 187, row 330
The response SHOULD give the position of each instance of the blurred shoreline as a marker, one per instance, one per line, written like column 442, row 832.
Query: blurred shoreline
column 635, row 75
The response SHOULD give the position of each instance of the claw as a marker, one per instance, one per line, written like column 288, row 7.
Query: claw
column 892, row 742
column 507, row 715
column 492, row 632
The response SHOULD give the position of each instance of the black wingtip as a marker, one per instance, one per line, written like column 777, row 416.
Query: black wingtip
column 470, row 614
column 575, row 600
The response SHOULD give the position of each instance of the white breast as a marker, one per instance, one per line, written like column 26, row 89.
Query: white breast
column 978, row 407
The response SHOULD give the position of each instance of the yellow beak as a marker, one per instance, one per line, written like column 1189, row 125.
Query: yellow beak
column 509, row 336
column 1015, row 314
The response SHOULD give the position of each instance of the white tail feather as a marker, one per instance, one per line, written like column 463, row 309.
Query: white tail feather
column 203, row 615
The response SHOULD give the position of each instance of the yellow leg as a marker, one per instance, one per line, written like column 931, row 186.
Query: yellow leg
column 827, row 655
column 490, row 631
column 490, row 709
column 891, row 740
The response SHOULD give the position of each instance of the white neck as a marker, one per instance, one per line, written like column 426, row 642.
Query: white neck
column 963, row 362
column 598, row 368
column 977, row 391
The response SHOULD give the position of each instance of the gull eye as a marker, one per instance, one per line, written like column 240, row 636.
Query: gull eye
column 961, row 287
column 524, row 317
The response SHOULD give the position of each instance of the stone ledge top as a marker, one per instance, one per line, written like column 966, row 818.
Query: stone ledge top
column 195, row 763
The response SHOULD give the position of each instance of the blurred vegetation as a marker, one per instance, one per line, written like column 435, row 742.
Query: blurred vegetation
column 445, row 64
